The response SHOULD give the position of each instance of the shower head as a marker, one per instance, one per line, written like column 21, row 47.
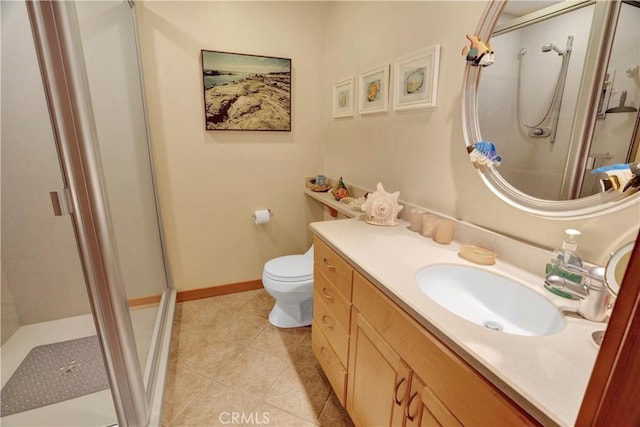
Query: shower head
column 522, row 52
column 548, row 47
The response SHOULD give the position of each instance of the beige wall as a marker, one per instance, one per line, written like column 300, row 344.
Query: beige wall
column 10, row 322
column 40, row 262
column 421, row 153
column 210, row 182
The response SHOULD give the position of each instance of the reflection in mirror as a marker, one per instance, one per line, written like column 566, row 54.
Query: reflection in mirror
column 560, row 101
column 527, row 101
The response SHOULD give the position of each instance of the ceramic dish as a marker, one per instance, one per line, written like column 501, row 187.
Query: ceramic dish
column 477, row 255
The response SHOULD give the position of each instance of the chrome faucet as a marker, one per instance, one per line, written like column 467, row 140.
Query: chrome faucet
column 591, row 291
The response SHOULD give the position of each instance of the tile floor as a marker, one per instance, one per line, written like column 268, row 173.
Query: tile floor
column 230, row 366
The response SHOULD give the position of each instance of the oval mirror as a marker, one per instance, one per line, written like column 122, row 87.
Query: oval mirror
column 616, row 267
column 560, row 100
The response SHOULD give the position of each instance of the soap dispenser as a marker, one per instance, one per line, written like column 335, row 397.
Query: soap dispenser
column 566, row 255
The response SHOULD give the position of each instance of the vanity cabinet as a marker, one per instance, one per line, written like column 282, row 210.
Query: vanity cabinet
column 424, row 409
column 378, row 380
column 382, row 388
column 331, row 315
column 449, row 390
column 385, row 367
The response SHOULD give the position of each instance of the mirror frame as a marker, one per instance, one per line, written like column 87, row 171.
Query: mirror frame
column 620, row 255
column 587, row 103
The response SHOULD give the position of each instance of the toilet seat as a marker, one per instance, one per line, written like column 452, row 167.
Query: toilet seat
column 291, row 268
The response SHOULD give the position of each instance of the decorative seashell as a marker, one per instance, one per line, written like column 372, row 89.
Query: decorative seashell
column 342, row 99
column 382, row 208
column 339, row 190
column 372, row 90
column 414, row 80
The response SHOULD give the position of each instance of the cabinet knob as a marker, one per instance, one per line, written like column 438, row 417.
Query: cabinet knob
column 326, row 294
column 395, row 395
column 326, row 263
column 410, row 416
column 325, row 354
column 325, row 323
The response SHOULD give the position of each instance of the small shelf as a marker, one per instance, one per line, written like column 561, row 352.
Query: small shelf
column 326, row 198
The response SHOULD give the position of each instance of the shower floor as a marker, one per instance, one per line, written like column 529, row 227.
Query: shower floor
column 95, row 409
column 53, row 373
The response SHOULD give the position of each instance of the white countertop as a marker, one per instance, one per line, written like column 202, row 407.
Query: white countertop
column 546, row 375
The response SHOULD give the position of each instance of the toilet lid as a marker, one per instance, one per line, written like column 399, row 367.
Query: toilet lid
column 291, row 268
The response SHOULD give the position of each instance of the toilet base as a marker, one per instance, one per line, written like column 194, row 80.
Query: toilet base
column 291, row 315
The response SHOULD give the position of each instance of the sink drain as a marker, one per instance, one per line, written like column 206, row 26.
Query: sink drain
column 493, row 325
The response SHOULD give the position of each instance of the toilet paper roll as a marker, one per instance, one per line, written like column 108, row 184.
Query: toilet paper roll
column 262, row 216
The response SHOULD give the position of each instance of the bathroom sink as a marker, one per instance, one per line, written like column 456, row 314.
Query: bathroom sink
column 489, row 299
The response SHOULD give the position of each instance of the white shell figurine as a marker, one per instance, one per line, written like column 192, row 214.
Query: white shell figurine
column 382, row 208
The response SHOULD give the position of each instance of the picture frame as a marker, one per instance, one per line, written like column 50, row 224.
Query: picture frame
column 373, row 90
column 416, row 79
column 246, row 92
column 344, row 98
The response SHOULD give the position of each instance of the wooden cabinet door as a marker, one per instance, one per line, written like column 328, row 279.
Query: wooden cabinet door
column 378, row 380
column 473, row 399
column 424, row 409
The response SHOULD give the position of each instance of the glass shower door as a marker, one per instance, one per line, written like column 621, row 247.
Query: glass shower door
column 48, row 331
column 87, row 54
column 107, row 30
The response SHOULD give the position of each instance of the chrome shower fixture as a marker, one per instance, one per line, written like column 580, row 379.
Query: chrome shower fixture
column 548, row 47
column 540, row 129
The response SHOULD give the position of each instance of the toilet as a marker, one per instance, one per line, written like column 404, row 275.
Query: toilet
column 289, row 279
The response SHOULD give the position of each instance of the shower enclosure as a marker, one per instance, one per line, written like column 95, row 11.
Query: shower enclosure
column 82, row 250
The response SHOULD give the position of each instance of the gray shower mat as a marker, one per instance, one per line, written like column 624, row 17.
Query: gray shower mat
column 53, row 373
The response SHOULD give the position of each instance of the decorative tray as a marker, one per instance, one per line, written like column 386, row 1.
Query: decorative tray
column 311, row 185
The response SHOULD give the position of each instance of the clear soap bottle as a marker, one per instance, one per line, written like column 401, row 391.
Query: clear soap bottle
column 566, row 255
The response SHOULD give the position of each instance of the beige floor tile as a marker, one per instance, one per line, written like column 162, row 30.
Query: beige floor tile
column 280, row 342
column 203, row 314
column 301, row 389
column 217, row 406
column 305, row 355
column 260, row 305
column 182, row 387
column 239, row 328
column 210, row 357
column 237, row 300
column 333, row 414
column 227, row 361
column 275, row 417
column 253, row 372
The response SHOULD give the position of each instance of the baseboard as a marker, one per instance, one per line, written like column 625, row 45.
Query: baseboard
column 214, row 291
column 142, row 301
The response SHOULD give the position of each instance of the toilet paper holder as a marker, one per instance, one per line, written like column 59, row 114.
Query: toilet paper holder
column 262, row 216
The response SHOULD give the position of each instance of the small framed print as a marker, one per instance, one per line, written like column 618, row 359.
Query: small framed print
column 373, row 92
column 416, row 79
column 343, row 97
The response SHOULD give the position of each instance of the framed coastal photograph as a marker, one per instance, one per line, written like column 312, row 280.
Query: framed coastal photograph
column 373, row 90
column 246, row 92
column 343, row 97
column 416, row 79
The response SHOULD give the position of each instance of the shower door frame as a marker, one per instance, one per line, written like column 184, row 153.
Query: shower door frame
column 59, row 50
